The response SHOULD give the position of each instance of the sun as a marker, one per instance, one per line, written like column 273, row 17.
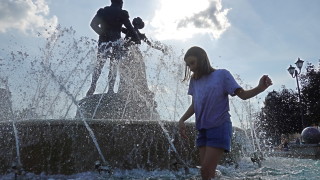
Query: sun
column 172, row 12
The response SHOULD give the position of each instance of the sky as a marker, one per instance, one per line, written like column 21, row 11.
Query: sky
column 249, row 38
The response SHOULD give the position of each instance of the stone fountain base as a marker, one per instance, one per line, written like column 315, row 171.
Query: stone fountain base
column 121, row 105
column 303, row 151
column 65, row 146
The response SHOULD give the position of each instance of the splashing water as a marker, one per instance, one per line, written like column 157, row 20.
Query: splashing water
column 72, row 62
column 49, row 84
column 48, row 70
column 246, row 114
column 274, row 169
column 17, row 164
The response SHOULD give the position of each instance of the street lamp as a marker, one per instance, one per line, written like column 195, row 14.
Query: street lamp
column 294, row 73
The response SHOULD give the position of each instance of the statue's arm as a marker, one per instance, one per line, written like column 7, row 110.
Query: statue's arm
column 95, row 24
column 130, row 29
column 124, row 30
column 145, row 39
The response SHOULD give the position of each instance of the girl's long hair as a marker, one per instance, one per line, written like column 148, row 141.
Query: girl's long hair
column 204, row 67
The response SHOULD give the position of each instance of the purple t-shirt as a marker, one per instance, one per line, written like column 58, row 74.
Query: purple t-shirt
column 210, row 96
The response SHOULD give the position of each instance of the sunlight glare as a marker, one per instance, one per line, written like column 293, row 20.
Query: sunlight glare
column 188, row 12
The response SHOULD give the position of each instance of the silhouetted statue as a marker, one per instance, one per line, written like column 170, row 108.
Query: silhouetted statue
column 133, row 81
column 133, row 100
column 139, row 24
column 107, row 23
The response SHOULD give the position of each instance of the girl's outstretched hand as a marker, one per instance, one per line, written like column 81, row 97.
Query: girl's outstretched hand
column 182, row 130
column 264, row 82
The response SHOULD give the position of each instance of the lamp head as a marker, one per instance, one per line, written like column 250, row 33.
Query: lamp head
column 299, row 63
column 291, row 70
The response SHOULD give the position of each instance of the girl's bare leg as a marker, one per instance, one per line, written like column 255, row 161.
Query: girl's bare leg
column 209, row 159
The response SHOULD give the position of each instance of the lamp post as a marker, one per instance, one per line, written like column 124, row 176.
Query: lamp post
column 294, row 73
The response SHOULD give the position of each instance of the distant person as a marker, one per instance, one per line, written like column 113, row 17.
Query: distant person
column 284, row 144
column 107, row 23
column 210, row 89
column 139, row 24
column 298, row 141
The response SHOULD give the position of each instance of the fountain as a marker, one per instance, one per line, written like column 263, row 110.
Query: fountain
column 48, row 130
column 310, row 135
column 53, row 142
column 310, row 147
column 307, row 148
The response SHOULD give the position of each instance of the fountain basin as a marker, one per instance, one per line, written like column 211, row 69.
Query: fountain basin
column 303, row 151
column 65, row 146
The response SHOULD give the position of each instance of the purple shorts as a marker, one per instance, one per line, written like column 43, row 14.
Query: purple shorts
column 217, row 137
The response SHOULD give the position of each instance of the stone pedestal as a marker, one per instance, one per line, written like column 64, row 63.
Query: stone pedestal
column 133, row 100
column 303, row 151
column 311, row 151
column 117, row 106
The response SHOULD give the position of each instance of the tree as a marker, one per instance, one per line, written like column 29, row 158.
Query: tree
column 280, row 114
column 310, row 89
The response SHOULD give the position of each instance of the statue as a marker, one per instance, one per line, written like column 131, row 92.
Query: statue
column 107, row 24
column 133, row 100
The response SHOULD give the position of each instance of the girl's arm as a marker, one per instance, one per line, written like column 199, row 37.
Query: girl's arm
column 264, row 83
column 186, row 115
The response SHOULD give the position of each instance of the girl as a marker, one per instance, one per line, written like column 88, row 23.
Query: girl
column 209, row 89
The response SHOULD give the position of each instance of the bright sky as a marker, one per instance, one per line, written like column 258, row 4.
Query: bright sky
column 248, row 37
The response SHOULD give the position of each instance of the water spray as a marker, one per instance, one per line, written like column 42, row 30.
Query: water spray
column 16, row 165
column 47, row 69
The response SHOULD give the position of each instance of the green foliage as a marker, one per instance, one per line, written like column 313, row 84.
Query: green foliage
column 281, row 113
column 310, row 89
